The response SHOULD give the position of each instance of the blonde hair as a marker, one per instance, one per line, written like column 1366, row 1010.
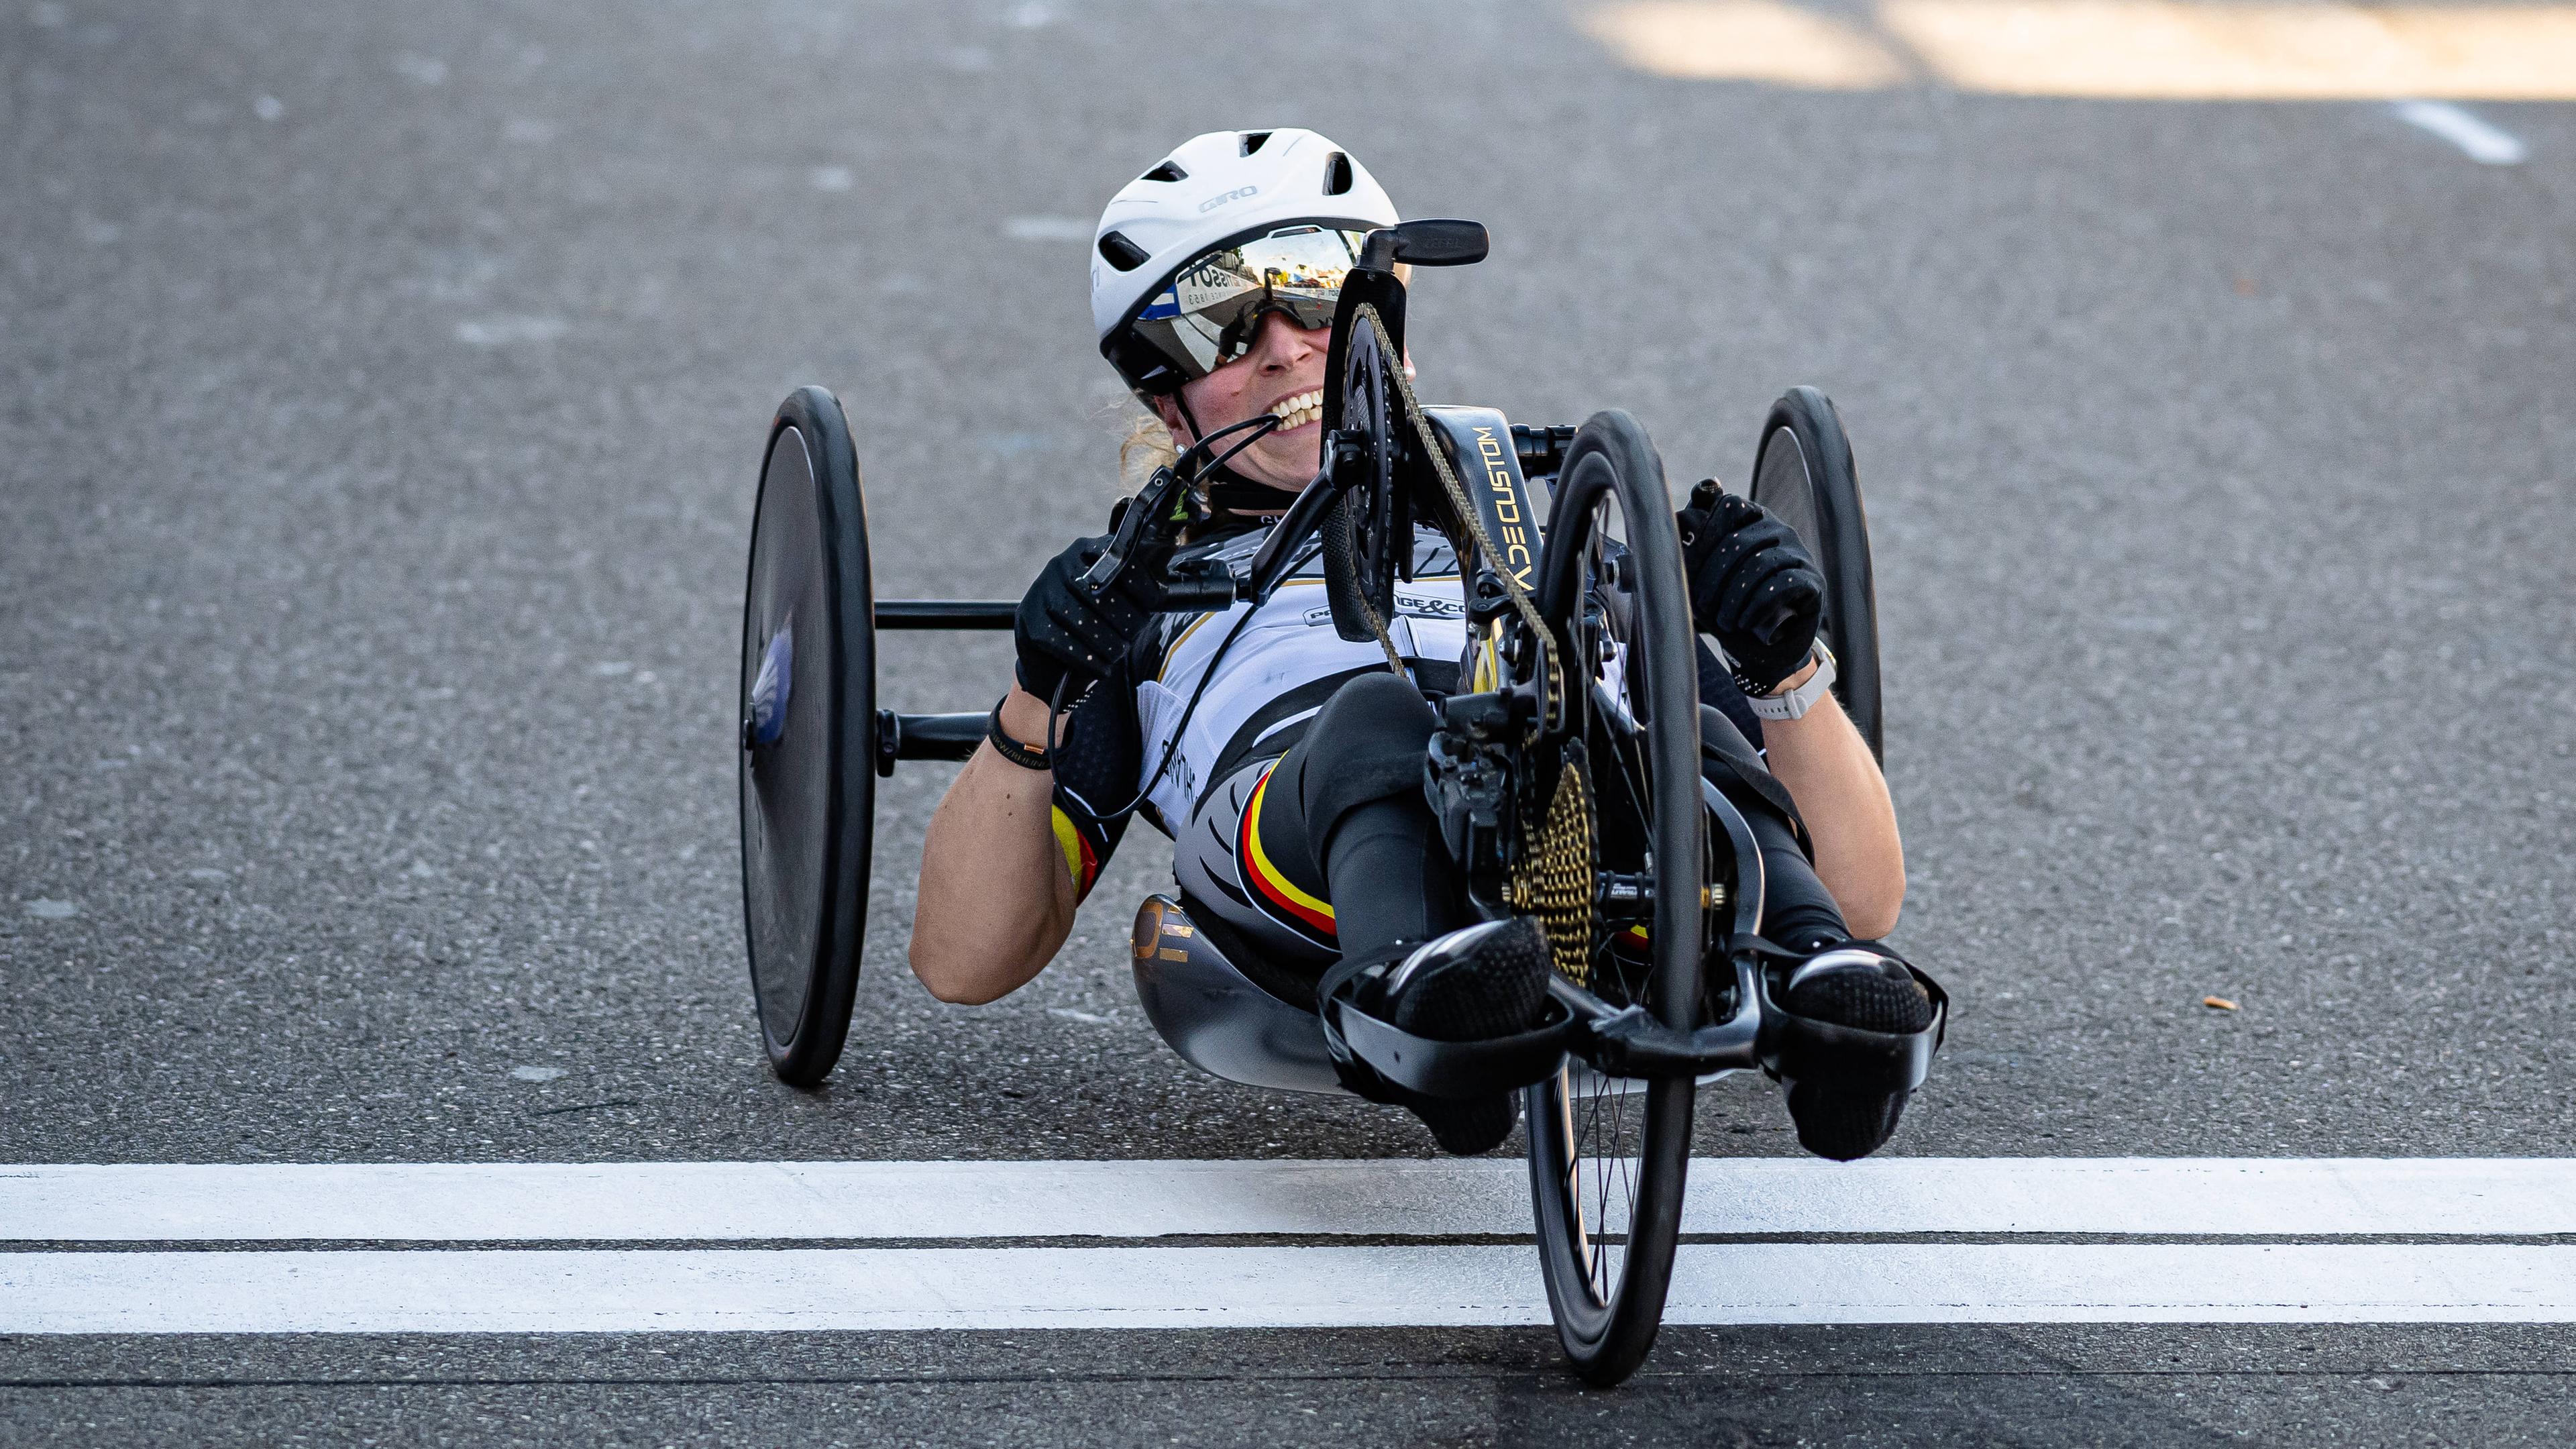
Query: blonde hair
column 1147, row 446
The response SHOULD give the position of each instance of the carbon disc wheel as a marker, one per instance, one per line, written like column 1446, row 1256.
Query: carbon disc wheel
column 1803, row 473
column 1609, row 1158
column 807, row 759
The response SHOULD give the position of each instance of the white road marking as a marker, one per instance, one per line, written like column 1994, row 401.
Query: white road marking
column 712, row 1290
column 718, row 1201
column 2477, row 138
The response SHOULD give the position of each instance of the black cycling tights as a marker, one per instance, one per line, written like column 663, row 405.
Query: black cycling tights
column 1354, row 787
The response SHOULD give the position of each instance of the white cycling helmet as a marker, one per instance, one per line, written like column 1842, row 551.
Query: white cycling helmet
column 1231, row 226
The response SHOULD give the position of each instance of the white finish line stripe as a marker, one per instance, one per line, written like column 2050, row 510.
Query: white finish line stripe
column 734, row 1201
column 718, row 1290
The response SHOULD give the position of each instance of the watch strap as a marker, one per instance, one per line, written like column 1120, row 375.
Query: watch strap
column 1796, row 703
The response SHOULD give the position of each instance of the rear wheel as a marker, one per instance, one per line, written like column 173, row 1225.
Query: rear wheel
column 1803, row 472
column 1608, row 1158
column 807, row 763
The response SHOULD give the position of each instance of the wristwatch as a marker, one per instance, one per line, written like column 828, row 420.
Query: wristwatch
column 1798, row 701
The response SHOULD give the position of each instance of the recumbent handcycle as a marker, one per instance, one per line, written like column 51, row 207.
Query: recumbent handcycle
column 1565, row 775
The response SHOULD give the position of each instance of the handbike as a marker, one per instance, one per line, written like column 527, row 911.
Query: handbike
column 1565, row 773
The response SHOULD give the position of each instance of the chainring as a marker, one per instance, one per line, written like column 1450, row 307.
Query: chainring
column 1366, row 531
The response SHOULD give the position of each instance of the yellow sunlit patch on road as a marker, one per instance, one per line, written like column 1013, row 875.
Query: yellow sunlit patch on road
column 2155, row 49
column 2114, row 49
column 1755, row 40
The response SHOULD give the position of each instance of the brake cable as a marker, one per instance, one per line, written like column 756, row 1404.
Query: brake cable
column 1266, row 423
column 1171, row 747
column 1057, row 710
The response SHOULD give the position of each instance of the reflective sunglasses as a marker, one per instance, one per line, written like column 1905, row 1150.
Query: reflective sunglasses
column 1211, row 313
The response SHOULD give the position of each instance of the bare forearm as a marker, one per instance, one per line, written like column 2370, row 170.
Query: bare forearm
column 995, row 900
column 1830, row 772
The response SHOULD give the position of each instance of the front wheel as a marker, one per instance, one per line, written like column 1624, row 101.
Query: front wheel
column 806, row 764
column 1608, row 1157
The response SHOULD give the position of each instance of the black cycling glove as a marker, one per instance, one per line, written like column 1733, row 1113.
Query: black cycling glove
column 1066, row 632
column 1752, row 585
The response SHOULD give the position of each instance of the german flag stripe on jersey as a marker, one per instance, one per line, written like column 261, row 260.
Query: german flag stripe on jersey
column 1081, row 857
column 1269, row 885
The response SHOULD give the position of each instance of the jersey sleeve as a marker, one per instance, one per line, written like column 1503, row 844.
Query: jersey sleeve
column 1095, row 771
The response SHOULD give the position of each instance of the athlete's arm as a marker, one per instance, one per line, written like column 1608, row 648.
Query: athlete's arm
column 998, row 886
column 1841, row 795
column 1748, row 567
column 995, row 902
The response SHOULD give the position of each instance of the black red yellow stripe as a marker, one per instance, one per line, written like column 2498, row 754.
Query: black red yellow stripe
column 1081, row 857
column 1268, row 884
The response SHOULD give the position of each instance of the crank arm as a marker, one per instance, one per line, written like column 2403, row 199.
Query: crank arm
column 1278, row 553
column 1627, row 1042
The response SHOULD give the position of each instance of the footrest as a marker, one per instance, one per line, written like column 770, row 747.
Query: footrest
column 1798, row 1048
column 1451, row 1068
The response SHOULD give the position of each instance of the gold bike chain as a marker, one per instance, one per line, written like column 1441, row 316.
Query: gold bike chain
column 1552, row 671
column 1557, row 886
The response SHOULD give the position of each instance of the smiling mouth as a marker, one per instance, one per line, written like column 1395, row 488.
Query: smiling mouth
column 1296, row 412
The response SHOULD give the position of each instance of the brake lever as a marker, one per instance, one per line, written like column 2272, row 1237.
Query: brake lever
column 1135, row 530
column 1141, row 537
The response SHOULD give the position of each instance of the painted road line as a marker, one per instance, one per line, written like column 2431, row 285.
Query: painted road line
column 721, row 1201
column 2480, row 141
column 758, row 1290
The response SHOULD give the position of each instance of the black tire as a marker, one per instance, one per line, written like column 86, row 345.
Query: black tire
column 808, row 792
column 1803, row 472
column 1608, row 1160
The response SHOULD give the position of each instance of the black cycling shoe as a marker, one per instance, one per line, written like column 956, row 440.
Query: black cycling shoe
column 1856, row 985
column 1483, row 981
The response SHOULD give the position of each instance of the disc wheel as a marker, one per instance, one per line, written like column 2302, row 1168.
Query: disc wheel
column 807, row 767
column 1608, row 1158
column 1803, row 473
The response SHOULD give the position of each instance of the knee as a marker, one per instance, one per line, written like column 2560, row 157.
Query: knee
column 1366, row 744
column 1372, row 714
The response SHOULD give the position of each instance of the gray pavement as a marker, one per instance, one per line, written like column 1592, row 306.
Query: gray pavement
column 380, row 398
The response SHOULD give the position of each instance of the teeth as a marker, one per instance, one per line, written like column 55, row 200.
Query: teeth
column 1298, row 411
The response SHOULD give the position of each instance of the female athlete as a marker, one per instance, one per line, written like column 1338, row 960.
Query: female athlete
column 1293, row 790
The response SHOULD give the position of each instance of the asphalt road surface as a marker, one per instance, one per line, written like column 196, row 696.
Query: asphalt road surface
column 381, row 391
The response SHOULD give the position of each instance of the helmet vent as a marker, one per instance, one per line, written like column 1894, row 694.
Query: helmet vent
column 1337, row 174
column 1253, row 141
column 1165, row 172
column 1119, row 252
